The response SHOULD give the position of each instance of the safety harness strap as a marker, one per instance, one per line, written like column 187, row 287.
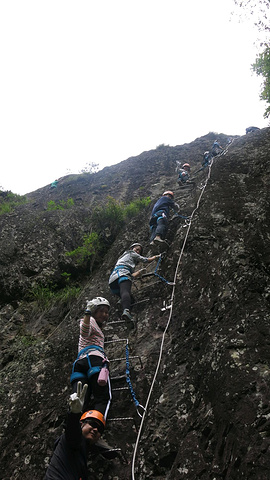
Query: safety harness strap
column 91, row 371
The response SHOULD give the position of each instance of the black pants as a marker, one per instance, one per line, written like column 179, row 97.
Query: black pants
column 102, row 396
column 125, row 293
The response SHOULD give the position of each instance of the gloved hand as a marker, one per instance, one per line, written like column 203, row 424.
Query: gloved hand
column 88, row 307
column 76, row 400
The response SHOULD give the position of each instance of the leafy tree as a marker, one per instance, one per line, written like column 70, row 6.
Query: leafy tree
column 262, row 67
column 51, row 205
column 9, row 201
column 87, row 250
column 258, row 11
column 109, row 217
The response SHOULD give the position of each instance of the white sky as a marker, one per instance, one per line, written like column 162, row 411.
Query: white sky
column 100, row 81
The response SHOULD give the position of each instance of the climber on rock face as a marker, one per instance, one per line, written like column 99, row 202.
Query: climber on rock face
column 91, row 357
column 207, row 157
column 159, row 217
column 120, row 280
column 216, row 148
column 184, row 174
column 81, row 438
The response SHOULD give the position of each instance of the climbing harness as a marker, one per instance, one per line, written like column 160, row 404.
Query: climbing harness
column 137, row 404
column 91, row 371
column 170, row 309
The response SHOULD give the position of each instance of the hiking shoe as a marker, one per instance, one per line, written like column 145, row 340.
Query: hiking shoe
column 126, row 315
column 158, row 240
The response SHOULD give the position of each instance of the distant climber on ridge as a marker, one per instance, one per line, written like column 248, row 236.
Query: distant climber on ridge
column 159, row 217
column 91, row 359
column 54, row 184
column 216, row 148
column 81, row 437
column 121, row 278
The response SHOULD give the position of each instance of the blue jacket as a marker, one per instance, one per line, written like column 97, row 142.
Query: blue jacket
column 164, row 203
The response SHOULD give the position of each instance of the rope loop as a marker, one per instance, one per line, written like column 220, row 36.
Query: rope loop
column 140, row 406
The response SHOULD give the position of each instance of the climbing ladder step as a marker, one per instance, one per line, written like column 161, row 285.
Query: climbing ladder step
column 118, row 377
column 120, row 388
column 120, row 419
column 131, row 357
column 115, row 321
column 116, row 341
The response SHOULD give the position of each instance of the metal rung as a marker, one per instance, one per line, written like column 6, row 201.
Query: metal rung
column 115, row 341
column 120, row 388
column 140, row 301
column 124, row 358
column 132, row 357
column 119, row 377
column 119, row 419
column 115, row 321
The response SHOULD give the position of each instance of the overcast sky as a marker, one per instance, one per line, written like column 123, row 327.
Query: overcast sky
column 101, row 81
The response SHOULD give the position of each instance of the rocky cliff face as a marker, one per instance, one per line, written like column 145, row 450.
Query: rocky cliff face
column 201, row 354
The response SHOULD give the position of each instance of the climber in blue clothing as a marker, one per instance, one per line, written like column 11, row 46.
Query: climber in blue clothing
column 207, row 157
column 216, row 148
column 159, row 217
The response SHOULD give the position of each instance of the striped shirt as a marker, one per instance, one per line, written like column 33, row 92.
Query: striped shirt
column 91, row 335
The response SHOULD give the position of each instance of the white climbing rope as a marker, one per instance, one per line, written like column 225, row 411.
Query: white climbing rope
column 170, row 312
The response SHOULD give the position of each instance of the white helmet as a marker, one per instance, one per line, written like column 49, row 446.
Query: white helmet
column 93, row 304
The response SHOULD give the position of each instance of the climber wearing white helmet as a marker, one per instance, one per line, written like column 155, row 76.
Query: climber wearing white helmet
column 121, row 278
column 91, row 356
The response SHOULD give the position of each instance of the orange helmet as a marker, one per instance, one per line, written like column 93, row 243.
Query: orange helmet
column 186, row 165
column 94, row 414
column 168, row 192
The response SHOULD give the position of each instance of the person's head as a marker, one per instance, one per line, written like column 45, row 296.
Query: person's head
column 99, row 308
column 186, row 167
column 93, row 424
column 137, row 247
column 168, row 194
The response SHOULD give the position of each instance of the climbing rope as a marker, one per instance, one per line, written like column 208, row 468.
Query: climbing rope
column 170, row 313
column 137, row 404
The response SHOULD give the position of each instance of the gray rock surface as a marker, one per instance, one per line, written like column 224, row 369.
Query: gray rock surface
column 205, row 359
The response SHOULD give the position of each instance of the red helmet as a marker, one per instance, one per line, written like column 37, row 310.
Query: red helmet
column 94, row 414
column 186, row 165
column 168, row 192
